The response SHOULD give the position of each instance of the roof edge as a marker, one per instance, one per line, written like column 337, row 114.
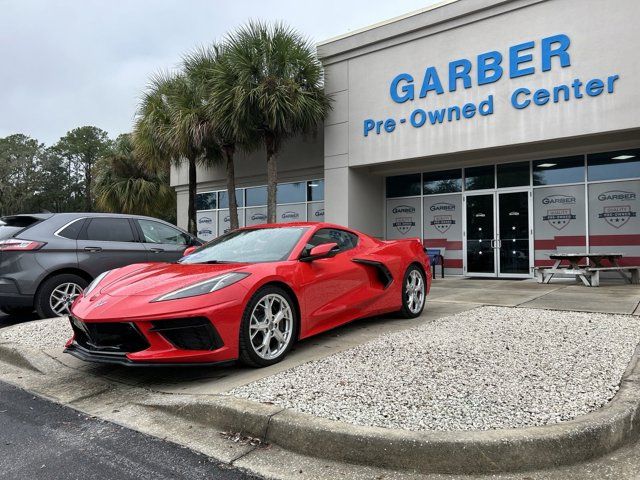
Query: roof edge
column 431, row 20
column 385, row 22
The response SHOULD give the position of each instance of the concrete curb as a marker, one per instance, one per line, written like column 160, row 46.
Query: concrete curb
column 474, row 452
column 11, row 354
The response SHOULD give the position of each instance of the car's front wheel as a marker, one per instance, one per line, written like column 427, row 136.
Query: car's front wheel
column 56, row 294
column 269, row 327
column 414, row 290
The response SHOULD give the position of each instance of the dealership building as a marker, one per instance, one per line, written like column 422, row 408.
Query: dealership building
column 497, row 131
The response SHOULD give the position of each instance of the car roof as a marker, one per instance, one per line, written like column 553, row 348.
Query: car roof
column 72, row 215
column 299, row 224
column 40, row 216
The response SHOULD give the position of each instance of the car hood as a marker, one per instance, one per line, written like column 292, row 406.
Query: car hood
column 160, row 278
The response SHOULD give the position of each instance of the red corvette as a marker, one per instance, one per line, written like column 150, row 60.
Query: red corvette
column 248, row 295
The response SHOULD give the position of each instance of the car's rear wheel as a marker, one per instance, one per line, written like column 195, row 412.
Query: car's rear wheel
column 414, row 292
column 56, row 294
column 269, row 327
column 16, row 311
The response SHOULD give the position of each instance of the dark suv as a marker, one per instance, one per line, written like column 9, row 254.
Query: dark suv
column 46, row 260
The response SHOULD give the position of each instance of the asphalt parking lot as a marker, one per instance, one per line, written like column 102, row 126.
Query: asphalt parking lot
column 44, row 440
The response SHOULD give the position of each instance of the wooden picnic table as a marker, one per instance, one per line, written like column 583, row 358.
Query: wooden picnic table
column 589, row 274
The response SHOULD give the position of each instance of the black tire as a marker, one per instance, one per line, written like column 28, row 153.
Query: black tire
column 406, row 311
column 247, row 354
column 43, row 295
column 17, row 310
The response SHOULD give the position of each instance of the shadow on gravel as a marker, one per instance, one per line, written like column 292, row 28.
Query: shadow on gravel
column 9, row 320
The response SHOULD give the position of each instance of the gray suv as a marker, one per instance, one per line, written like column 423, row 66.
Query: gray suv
column 46, row 260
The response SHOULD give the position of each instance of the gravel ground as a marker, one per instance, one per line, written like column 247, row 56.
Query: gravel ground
column 47, row 334
column 488, row 368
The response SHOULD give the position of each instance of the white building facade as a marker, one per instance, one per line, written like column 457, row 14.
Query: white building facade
column 497, row 131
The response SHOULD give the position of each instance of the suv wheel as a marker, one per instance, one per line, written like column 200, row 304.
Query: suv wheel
column 56, row 294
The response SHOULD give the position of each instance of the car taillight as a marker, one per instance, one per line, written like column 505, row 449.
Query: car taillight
column 16, row 244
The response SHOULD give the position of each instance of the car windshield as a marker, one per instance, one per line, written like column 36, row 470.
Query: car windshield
column 249, row 246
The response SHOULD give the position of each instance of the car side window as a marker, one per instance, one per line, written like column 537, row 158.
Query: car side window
column 110, row 230
column 156, row 232
column 72, row 230
column 345, row 240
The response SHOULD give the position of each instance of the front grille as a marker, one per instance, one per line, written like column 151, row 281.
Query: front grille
column 189, row 333
column 117, row 337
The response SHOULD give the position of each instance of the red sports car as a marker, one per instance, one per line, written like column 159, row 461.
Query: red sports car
column 248, row 295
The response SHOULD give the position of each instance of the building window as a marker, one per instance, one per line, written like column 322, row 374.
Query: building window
column 446, row 181
column 404, row 185
column 479, row 178
column 206, row 201
column 554, row 171
column 292, row 192
column 614, row 165
column 256, row 196
column 513, row 175
column 224, row 198
column 315, row 190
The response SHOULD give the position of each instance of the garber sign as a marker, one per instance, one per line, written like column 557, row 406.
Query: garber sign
column 523, row 59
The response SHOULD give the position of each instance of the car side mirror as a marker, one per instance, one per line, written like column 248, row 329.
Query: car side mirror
column 189, row 251
column 326, row 250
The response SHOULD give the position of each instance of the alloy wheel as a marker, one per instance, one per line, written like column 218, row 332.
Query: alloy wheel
column 271, row 326
column 414, row 291
column 63, row 296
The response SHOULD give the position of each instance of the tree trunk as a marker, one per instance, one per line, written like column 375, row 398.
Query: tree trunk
column 193, row 228
column 88, row 204
column 272, row 178
column 231, row 186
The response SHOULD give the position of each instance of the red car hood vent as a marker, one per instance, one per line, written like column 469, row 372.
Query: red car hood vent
column 161, row 278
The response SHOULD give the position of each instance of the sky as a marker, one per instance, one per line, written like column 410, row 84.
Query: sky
column 66, row 64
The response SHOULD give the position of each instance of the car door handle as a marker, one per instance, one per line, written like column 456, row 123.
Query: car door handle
column 92, row 249
column 157, row 250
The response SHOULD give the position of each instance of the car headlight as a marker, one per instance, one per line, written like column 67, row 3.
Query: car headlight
column 202, row 288
column 95, row 283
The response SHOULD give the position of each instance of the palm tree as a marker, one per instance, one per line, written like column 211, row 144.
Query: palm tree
column 208, row 67
column 273, row 85
column 172, row 125
column 126, row 184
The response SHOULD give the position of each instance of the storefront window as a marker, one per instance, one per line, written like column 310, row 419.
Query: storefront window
column 315, row 190
column 479, row 178
column 292, row 192
column 513, row 175
column 446, row 181
column 614, row 165
column 404, row 185
column 554, row 171
column 206, row 201
column 256, row 196
column 614, row 222
column 224, row 198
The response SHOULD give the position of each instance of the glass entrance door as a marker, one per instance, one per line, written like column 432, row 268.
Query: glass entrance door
column 480, row 235
column 513, row 248
column 497, row 234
